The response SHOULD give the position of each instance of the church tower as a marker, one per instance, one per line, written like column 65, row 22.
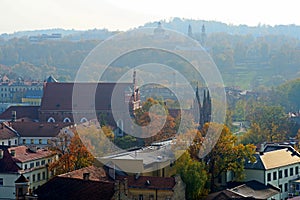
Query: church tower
column 202, row 114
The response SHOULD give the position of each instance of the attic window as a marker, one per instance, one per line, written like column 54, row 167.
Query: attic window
column 147, row 182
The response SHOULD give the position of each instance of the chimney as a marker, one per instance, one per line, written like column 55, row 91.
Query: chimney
column 13, row 116
column 86, row 176
column 13, row 152
column 262, row 148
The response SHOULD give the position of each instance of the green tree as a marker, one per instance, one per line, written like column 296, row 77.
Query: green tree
column 193, row 174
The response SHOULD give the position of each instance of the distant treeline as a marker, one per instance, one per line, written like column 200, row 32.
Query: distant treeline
column 248, row 57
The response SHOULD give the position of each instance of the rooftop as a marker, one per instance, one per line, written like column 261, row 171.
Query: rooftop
column 72, row 188
column 274, row 156
column 38, row 129
column 23, row 154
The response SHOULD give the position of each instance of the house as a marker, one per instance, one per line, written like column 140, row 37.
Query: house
column 8, row 136
column 153, row 187
column 92, row 183
column 276, row 164
column 31, row 162
column 39, row 134
column 14, row 113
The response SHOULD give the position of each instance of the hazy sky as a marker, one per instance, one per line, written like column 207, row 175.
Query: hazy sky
column 19, row 15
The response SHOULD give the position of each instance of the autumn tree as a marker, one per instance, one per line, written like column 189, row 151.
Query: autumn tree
column 144, row 117
column 74, row 157
column 225, row 155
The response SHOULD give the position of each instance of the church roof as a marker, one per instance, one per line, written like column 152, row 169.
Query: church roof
column 58, row 96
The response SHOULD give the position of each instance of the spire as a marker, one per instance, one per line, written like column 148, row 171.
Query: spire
column 197, row 93
column 190, row 32
column 203, row 36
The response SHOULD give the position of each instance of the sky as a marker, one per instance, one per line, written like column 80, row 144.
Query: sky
column 18, row 15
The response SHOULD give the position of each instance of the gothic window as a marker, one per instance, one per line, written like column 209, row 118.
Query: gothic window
column 51, row 119
column 66, row 120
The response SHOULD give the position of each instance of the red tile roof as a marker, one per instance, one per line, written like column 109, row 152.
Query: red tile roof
column 38, row 129
column 58, row 96
column 150, row 182
column 70, row 189
column 95, row 173
column 23, row 154
column 6, row 132
column 22, row 112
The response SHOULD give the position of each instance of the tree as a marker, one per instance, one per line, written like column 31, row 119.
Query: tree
column 74, row 157
column 268, row 124
column 225, row 156
column 193, row 174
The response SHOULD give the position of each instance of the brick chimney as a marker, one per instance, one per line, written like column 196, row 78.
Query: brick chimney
column 86, row 176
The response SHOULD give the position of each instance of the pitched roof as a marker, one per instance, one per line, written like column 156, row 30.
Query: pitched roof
column 7, row 163
column 6, row 132
column 70, row 188
column 150, row 182
column 256, row 190
column 22, row 112
column 95, row 173
column 58, row 96
column 224, row 195
column 282, row 157
column 38, row 129
column 274, row 157
column 22, row 179
column 23, row 154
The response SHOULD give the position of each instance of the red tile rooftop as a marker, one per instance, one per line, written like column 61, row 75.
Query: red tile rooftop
column 23, row 154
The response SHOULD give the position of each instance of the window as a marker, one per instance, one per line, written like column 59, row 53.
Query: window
column 15, row 142
column 37, row 163
column 280, row 174
column 297, row 170
column 151, row 197
column 33, row 177
column 40, row 141
column 43, row 162
column 32, row 165
column 9, row 143
column 291, row 171
column 43, row 175
column 32, row 141
column 269, row 176
column 25, row 166
column 141, row 197
column 24, row 141
column 285, row 187
column 274, row 175
column 1, row 182
column 286, row 173
column 39, row 176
